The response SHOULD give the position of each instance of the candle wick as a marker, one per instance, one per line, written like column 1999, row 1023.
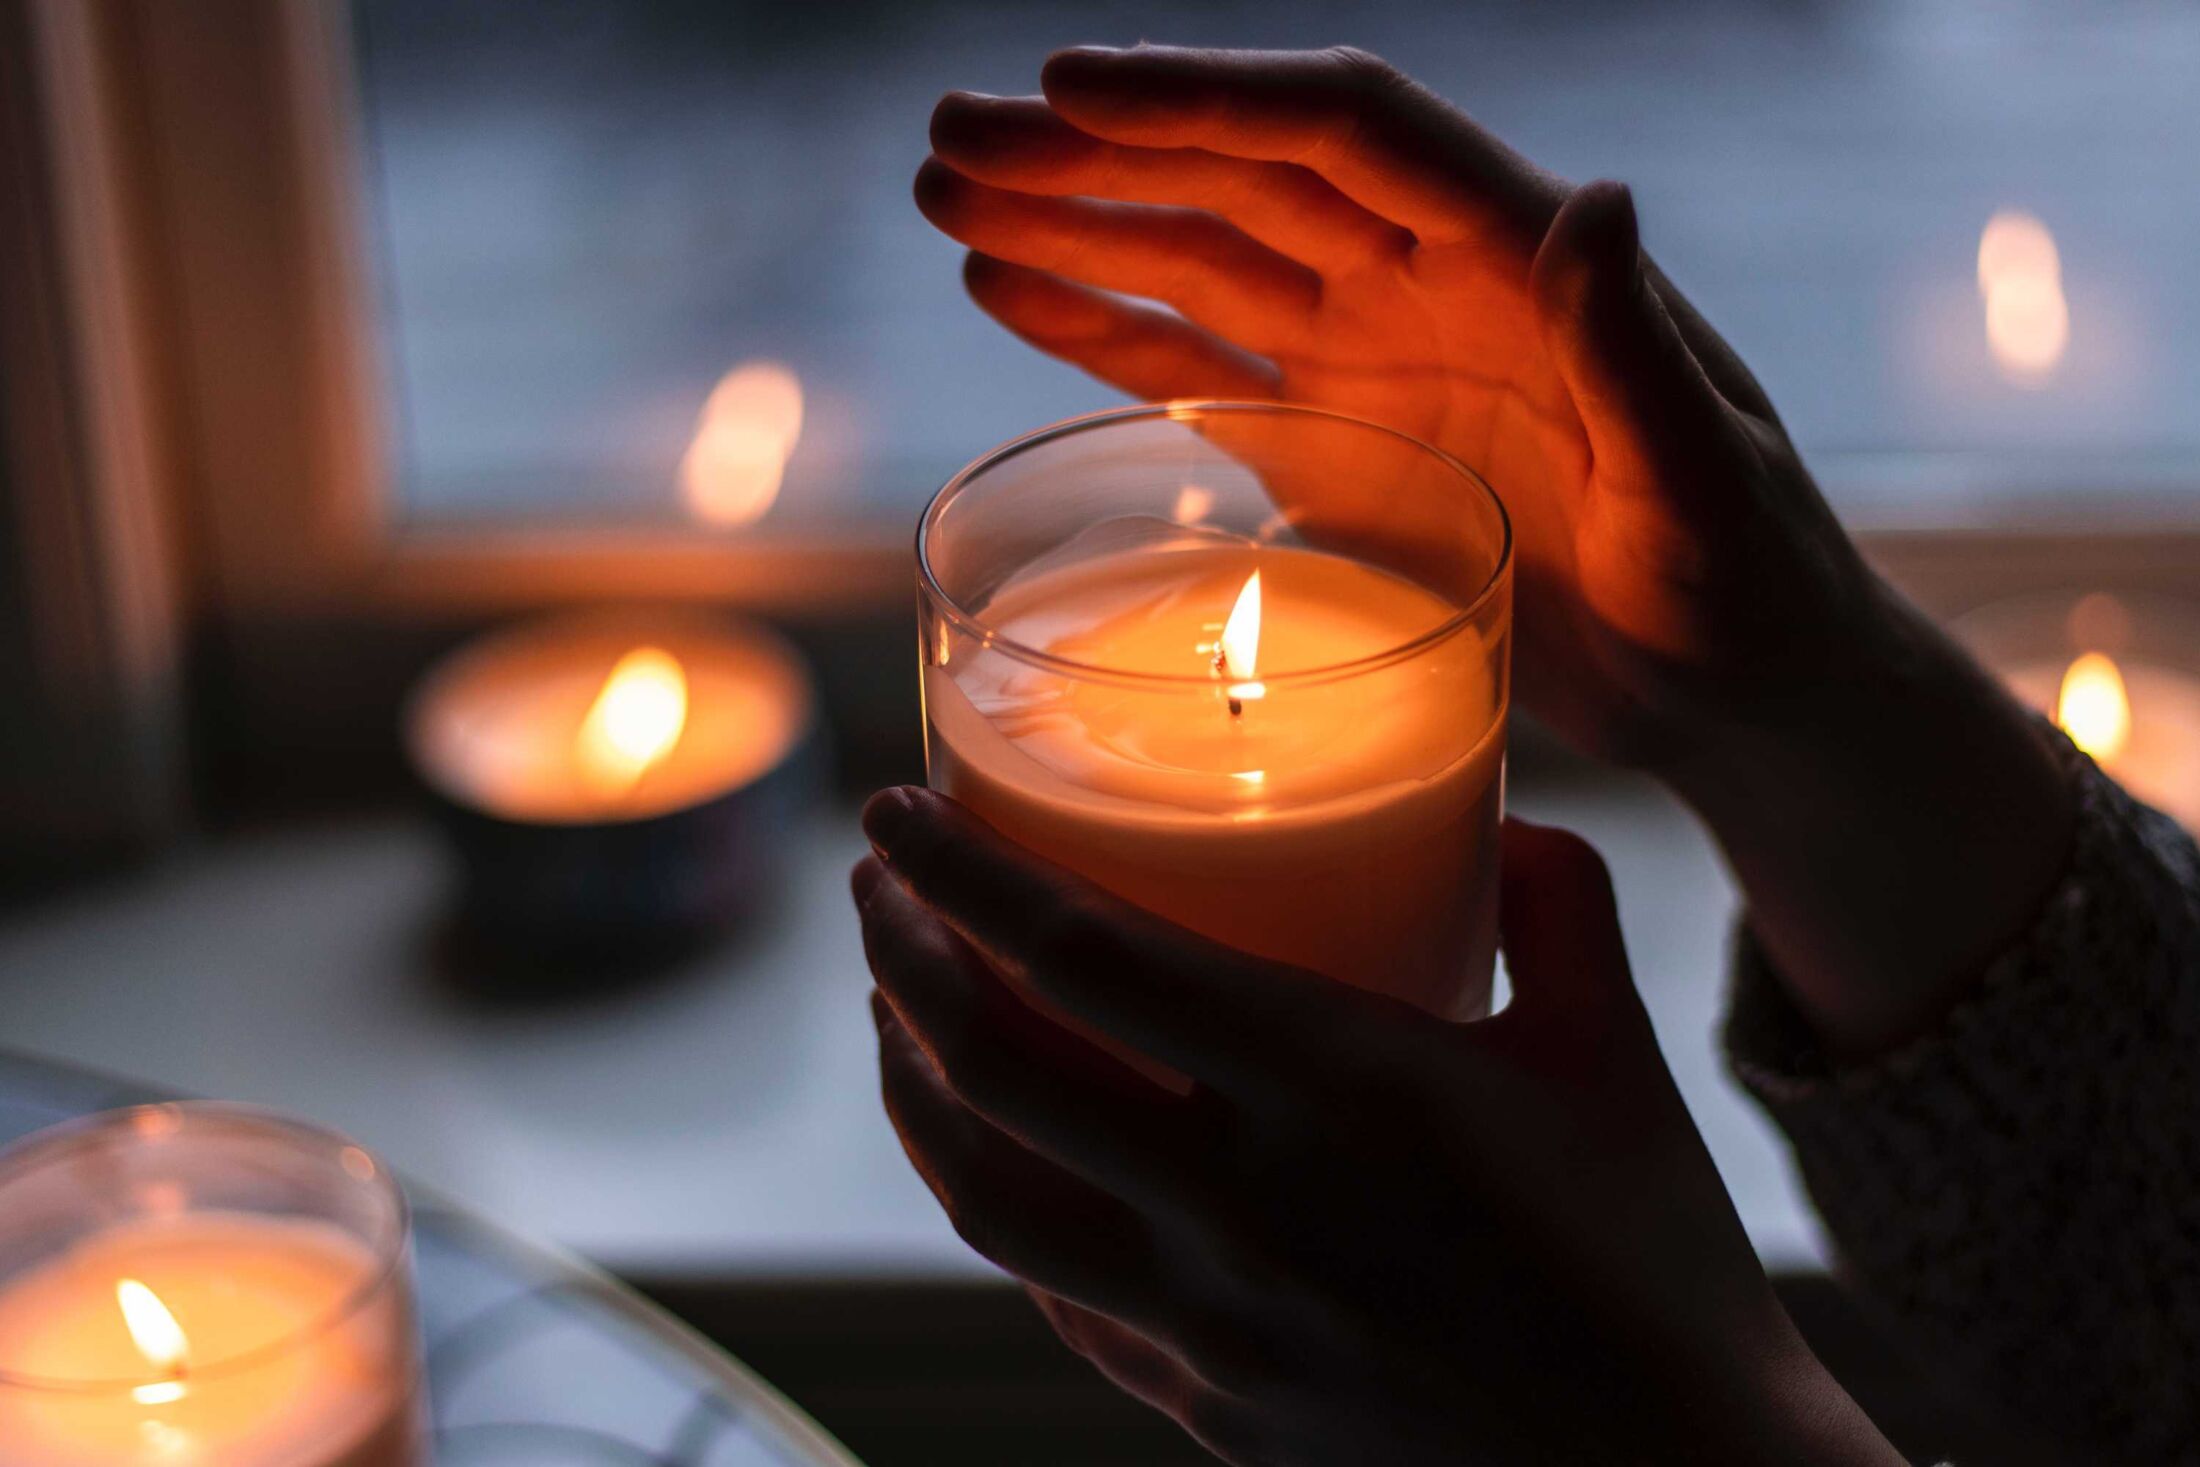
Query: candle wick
column 1222, row 668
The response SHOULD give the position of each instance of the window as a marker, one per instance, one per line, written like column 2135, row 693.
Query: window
column 586, row 213
column 462, row 308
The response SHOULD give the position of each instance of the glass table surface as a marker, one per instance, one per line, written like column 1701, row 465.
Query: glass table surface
column 534, row 1359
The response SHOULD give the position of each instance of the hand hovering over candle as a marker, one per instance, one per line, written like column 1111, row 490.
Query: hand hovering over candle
column 1328, row 232
column 1367, row 1235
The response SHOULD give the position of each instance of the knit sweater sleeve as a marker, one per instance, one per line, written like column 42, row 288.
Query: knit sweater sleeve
column 2022, row 1187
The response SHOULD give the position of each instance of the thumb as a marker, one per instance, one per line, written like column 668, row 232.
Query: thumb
column 1559, row 922
column 1653, row 418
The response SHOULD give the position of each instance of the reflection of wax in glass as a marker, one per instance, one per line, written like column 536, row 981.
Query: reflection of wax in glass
column 277, row 1373
column 1346, row 822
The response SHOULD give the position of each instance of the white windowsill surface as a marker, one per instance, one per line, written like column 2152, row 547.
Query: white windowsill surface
column 721, row 1122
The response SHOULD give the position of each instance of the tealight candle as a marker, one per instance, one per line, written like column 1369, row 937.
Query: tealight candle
column 2119, row 675
column 607, row 776
column 204, row 1286
column 1137, row 665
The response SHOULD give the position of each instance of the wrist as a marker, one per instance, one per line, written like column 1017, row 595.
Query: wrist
column 1854, row 673
column 1893, row 826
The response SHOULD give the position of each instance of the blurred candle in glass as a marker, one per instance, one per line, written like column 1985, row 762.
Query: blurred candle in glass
column 204, row 1286
column 1282, row 726
column 609, row 779
column 2119, row 675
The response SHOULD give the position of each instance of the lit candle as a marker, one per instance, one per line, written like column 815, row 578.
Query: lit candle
column 1290, row 750
column 138, row 1327
column 603, row 776
column 2119, row 675
column 1345, row 823
column 2139, row 720
column 587, row 720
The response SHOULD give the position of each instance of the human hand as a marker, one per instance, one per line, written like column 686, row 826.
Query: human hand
column 1366, row 1235
column 1333, row 234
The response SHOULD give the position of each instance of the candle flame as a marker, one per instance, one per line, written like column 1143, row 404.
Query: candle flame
column 634, row 722
column 2093, row 707
column 1239, row 651
column 2020, row 281
column 748, row 428
column 158, row 1338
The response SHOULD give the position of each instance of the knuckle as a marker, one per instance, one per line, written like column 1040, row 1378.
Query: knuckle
column 974, row 1227
column 957, row 1047
column 1364, row 70
column 972, row 1212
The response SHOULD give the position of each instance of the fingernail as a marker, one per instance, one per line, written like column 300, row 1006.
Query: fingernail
column 885, row 817
column 865, row 879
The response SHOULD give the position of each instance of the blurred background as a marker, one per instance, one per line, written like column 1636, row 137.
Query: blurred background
column 337, row 334
column 579, row 215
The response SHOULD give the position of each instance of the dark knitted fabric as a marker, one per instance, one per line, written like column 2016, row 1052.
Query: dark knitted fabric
column 2023, row 1187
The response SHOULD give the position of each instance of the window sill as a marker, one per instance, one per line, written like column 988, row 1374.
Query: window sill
column 722, row 1121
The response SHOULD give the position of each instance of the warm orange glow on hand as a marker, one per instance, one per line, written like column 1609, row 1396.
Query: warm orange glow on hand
column 1415, row 271
column 634, row 722
column 2020, row 280
column 1238, row 654
column 158, row 1337
column 732, row 471
column 2093, row 707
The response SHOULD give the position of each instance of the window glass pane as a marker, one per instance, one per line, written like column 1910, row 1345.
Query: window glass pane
column 587, row 214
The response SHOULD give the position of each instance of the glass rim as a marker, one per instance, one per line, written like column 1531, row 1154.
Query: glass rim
column 33, row 1151
column 1184, row 409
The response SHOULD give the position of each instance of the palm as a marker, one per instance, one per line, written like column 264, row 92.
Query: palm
column 1448, row 349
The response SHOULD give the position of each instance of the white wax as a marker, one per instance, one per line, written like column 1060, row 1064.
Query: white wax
column 1345, row 823
column 301, row 1352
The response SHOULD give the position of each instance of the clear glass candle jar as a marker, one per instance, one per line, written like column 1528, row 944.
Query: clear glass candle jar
column 205, row 1286
column 1243, row 664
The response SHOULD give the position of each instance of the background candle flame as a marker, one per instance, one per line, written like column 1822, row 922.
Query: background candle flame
column 2093, row 707
column 2020, row 281
column 158, row 1337
column 732, row 470
column 635, row 721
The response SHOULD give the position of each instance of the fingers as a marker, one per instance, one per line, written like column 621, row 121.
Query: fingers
column 1019, row 143
column 1248, row 1027
column 1045, row 1088
column 1206, row 268
column 1559, row 920
column 1016, row 1209
column 1652, row 417
column 1150, row 354
column 1386, row 143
